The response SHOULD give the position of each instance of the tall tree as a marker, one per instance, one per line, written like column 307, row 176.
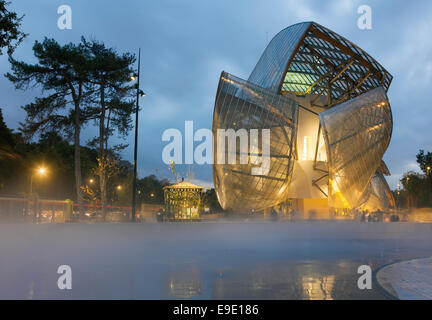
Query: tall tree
column 10, row 34
column 112, row 105
column 62, row 73
column 425, row 161
column 8, row 156
column 6, row 135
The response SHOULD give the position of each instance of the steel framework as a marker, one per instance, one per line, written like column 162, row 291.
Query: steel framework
column 307, row 66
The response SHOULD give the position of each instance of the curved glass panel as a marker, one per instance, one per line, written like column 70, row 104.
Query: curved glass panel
column 378, row 195
column 270, row 70
column 304, row 56
column 241, row 105
column 327, row 64
column 319, row 69
column 357, row 134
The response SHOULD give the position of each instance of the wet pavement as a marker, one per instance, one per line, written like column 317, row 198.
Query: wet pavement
column 407, row 280
column 221, row 260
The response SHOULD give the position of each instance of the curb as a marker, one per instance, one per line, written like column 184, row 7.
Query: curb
column 381, row 289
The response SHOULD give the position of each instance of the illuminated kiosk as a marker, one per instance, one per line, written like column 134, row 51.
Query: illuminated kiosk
column 325, row 103
column 183, row 201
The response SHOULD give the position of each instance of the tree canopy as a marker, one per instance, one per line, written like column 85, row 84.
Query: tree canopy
column 61, row 72
column 417, row 187
column 81, row 83
column 10, row 33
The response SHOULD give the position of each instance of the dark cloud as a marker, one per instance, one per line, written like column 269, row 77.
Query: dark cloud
column 186, row 44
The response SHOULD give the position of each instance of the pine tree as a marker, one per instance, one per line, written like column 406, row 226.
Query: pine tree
column 111, row 105
column 10, row 34
column 62, row 73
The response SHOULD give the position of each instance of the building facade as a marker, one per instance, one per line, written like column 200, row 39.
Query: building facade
column 324, row 102
column 183, row 201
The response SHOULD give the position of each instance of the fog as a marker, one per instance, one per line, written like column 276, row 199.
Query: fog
column 223, row 260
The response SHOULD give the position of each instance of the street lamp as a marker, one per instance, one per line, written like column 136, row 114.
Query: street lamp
column 138, row 94
column 41, row 171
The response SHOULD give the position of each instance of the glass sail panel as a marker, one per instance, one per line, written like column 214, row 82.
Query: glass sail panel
column 241, row 105
column 357, row 133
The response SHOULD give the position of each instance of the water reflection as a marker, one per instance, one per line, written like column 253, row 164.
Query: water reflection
column 307, row 280
column 318, row 288
column 184, row 281
column 284, row 280
column 31, row 290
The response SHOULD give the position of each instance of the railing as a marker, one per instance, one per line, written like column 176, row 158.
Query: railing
column 13, row 209
column 94, row 212
column 35, row 210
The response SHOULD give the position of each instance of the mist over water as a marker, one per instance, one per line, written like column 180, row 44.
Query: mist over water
column 220, row 260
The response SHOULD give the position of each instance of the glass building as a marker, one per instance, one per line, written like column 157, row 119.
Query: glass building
column 321, row 104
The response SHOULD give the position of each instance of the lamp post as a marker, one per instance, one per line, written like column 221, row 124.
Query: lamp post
column 138, row 94
column 41, row 171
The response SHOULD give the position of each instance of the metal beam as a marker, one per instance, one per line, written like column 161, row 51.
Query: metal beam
column 347, row 51
column 353, row 89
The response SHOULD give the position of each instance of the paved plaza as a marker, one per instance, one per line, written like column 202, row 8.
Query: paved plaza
column 408, row 280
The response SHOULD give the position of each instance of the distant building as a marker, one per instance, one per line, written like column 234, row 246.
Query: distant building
column 183, row 201
column 325, row 102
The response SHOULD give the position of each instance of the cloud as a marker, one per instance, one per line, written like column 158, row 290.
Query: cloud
column 342, row 7
column 160, row 107
column 302, row 10
column 413, row 52
column 411, row 166
column 186, row 44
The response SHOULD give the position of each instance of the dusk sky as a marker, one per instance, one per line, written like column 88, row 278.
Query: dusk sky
column 186, row 44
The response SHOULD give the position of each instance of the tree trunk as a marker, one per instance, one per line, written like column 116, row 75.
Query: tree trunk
column 77, row 156
column 102, row 154
column 102, row 182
